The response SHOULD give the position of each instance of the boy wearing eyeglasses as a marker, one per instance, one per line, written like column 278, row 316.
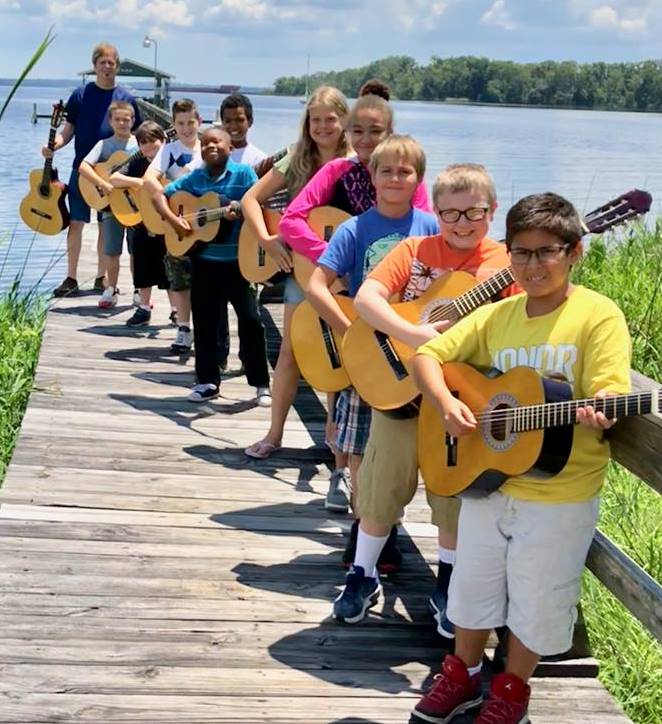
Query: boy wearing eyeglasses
column 521, row 550
column 465, row 200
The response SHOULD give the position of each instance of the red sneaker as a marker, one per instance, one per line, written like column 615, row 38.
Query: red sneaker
column 507, row 703
column 453, row 693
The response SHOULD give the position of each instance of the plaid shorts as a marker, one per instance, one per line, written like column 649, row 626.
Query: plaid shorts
column 352, row 418
column 178, row 271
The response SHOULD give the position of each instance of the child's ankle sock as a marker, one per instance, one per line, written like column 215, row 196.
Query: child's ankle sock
column 368, row 548
column 473, row 670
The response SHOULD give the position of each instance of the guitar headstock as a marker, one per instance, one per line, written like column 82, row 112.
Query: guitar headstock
column 627, row 206
column 57, row 117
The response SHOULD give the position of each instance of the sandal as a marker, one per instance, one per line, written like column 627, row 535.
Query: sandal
column 261, row 449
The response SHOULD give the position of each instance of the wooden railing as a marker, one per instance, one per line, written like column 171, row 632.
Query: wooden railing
column 636, row 443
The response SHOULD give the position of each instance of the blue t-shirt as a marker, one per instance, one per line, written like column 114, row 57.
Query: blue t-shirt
column 360, row 243
column 230, row 185
column 87, row 110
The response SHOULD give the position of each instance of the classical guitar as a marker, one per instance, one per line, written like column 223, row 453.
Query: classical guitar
column 95, row 196
column 377, row 364
column 525, row 427
column 258, row 267
column 317, row 346
column 152, row 219
column 44, row 209
column 125, row 202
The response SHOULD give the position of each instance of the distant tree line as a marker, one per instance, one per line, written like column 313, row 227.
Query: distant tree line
column 616, row 86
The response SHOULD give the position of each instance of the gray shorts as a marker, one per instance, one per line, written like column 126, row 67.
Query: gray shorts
column 113, row 236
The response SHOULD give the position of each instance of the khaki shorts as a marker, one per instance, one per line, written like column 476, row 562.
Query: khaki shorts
column 178, row 271
column 388, row 476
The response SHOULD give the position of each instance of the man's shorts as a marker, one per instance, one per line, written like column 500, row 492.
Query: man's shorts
column 113, row 236
column 178, row 270
column 78, row 208
column 388, row 476
column 519, row 563
column 352, row 418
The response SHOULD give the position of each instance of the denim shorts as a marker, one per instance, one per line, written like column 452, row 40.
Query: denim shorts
column 113, row 236
column 78, row 208
column 292, row 292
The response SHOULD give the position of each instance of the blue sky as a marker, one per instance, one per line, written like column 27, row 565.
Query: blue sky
column 251, row 42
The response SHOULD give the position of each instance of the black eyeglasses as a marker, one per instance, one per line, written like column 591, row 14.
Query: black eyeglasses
column 521, row 257
column 475, row 213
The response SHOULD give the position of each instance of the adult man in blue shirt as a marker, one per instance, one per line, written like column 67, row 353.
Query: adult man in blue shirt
column 87, row 122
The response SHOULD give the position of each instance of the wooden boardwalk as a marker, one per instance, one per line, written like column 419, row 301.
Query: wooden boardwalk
column 151, row 572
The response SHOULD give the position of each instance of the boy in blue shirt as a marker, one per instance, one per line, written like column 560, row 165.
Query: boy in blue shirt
column 397, row 166
column 216, row 279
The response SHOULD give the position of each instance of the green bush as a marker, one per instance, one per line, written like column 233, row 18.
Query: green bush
column 21, row 324
column 627, row 267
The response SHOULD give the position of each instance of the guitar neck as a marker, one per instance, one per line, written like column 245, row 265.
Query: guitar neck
column 475, row 297
column 556, row 414
column 47, row 173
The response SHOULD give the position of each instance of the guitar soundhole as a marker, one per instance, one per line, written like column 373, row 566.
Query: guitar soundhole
column 500, row 427
column 45, row 191
column 202, row 217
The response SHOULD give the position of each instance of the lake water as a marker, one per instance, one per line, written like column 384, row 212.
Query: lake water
column 589, row 157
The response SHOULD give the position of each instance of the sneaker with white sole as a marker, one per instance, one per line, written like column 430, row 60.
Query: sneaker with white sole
column 360, row 594
column 263, row 396
column 337, row 499
column 183, row 340
column 203, row 392
column 108, row 298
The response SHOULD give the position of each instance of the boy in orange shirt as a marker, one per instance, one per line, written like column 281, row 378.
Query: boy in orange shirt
column 465, row 200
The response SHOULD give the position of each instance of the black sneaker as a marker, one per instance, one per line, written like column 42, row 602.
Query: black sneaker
column 350, row 548
column 69, row 287
column 390, row 559
column 437, row 604
column 360, row 594
column 99, row 285
column 140, row 318
column 203, row 392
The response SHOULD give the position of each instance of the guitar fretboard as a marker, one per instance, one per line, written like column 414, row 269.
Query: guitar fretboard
column 474, row 298
column 555, row 414
column 47, row 173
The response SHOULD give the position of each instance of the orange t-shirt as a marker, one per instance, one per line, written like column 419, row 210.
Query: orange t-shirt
column 411, row 266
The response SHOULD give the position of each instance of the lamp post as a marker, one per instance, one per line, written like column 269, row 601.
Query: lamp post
column 147, row 42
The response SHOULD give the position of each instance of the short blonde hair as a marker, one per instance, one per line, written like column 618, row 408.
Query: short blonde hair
column 403, row 147
column 121, row 106
column 459, row 177
column 105, row 49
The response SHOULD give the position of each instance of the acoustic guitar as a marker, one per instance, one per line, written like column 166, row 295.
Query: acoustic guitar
column 44, row 208
column 204, row 214
column 95, row 196
column 525, row 427
column 377, row 364
column 317, row 346
column 152, row 219
column 258, row 267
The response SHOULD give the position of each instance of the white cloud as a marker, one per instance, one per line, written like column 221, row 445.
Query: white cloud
column 499, row 15
column 628, row 21
column 124, row 13
column 9, row 5
column 256, row 10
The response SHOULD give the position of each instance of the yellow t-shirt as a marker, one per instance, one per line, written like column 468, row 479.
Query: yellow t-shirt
column 585, row 339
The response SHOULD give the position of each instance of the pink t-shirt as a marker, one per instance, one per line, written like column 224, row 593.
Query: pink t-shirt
column 344, row 183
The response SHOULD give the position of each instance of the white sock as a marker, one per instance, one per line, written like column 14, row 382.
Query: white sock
column 473, row 670
column 368, row 548
column 146, row 307
column 112, row 288
column 446, row 555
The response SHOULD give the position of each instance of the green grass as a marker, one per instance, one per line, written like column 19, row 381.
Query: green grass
column 21, row 324
column 628, row 269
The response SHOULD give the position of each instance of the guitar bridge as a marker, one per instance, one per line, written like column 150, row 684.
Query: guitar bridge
column 392, row 357
column 130, row 201
column 261, row 256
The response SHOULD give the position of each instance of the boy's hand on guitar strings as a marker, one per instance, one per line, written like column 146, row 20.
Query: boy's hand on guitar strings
column 590, row 417
column 425, row 332
column 458, row 418
column 182, row 225
column 278, row 252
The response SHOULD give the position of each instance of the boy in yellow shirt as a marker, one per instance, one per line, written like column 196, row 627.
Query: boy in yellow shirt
column 521, row 550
